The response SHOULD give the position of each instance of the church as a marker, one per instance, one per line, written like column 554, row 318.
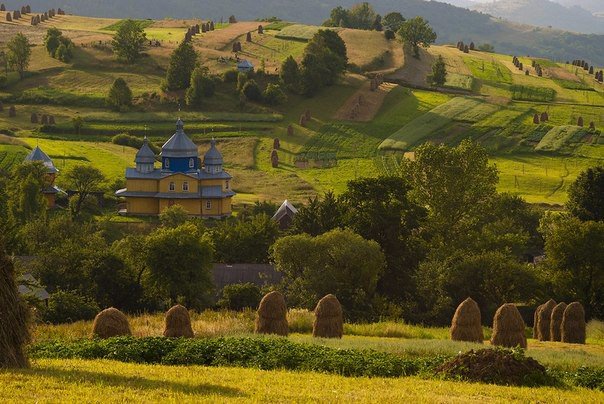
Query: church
column 50, row 191
column 202, row 188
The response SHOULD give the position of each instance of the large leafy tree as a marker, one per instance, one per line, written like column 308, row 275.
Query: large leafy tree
column 393, row 21
column 319, row 216
column 182, row 64
column 362, row 16
column 290, row 74
column 84, row 179
column 246, row 240
column 19, row 53
column 202, row 86
column 179, row 264
column 417, row 32
column 324, row 61
column 120, row 95
column 129, row 41
column 25, row 199
column 586, row 195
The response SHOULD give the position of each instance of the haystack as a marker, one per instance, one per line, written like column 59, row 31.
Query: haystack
column 545, row 316
column 329, row 321
column 508, row 327
column 555, row 324
column 466, row 324
column 290, row 129
column 14, row 331
column 573, row 324
column 12, row 111
column 271, row 315
column 34, row 118
column 274, row 159
column 536, row 322
column 178, row 323
column 110, row 323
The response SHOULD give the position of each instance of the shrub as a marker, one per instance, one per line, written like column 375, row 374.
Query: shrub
column 68, row 307
column 555, row 326
column 508, row 327
column 230, row 76
column 178, row 323
column 14, row 315
column 573, row 324
column 240, row 296
column 110, row 323
column 466, row 324
column 545, row 315
column 329, row 321
column 271, row 315
column 124, row 139
column 251, row 90
column 273, row 94
column 120, row 95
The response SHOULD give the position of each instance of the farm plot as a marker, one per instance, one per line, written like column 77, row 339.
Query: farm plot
column 458, row 109
column 560, row 136
column 11, row 155
column 460, row 81
column 301, row 32
column 369, row 50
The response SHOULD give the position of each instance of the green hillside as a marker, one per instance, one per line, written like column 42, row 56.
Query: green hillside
column 486, row 98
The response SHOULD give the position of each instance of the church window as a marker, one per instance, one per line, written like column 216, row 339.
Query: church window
column 226, row 185
column 172, row 186
column 191, row 163
column 208, row 204
column 167, row 163
column 185, row 186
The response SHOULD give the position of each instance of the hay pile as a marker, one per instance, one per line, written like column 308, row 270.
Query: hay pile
column 178, row 323
column 498, row 366
column 555, row 325
column 271, row 315
column 110, row 323
column 329, row 321
column 536, row 322
column 12, row 111
column 545, row 315
column 14, row 318
column 466, row 324
column 508, row 327
column 573, row 324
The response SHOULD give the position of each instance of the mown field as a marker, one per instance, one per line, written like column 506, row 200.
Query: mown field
column 496, row 109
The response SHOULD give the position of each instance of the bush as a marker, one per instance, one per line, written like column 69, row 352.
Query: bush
column 240, row 296
column 251, row 90
column 68, row 307
column 273, row 95
column 124, row 139
column 230, row 76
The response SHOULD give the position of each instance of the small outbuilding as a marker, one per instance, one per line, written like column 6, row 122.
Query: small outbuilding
column 245, row 66
column 285, row 215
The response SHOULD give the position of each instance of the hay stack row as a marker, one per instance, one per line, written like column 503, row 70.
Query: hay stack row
column 559, row 322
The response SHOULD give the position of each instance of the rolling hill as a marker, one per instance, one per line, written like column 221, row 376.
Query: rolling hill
column 451, row 23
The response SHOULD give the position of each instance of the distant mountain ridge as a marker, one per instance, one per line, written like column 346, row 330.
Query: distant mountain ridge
column 545, row 13
column 451, row 23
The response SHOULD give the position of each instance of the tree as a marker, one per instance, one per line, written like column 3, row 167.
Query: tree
column 179, row 264
column 180, row 69
column 575, row 261
column 290, row 74
column 173, row 216
column 83, row 179
column 251, row 90
column 246, row 240
column 202, row 86
column 324, row 61
column 19, row 53
column 129, row 41
column 439, row 73
column 339, row 17
column 338, row 262
column 52, row 40
column 273, row 94
column 319, row 216
column 115, row 282
column 25, row 199
column 362, row 16
column 417, row 32
column 78, row 123
column 120, row 95
column 393, row 21
column 586, row 195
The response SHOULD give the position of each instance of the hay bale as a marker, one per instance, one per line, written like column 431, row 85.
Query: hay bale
column 232, row 20
column 271, row 317
column 260, row 29
column 34, row 118
column 16, row 14
column 211, row 25
column 555, row 324
column 329, row 318
column 307, row 115
column 12, row 111
column 60, row 11
column 536, row 322
column 573, row 324
column 9, row 18
column 28, row 9
column 290, row 127
column 580, row 121
column 110, row 323
column 2, row 7
column 472, row 46
column 274, row 159
column 536, row 119
column 248, row 37
column 51, row 119
column 44, row 120
column 302, row 121
column 276, row 143
column 178, row 323
column 14, row 326
column 1, row 107
column 508, row 327
column 592, row 125
column 544, row 117
column 545, row 315
column 466, row 323
column 23, row 10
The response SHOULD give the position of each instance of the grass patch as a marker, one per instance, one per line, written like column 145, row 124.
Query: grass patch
column 560, row 136
column 489, row 71
column 300, row 32
column 117, row 25
column 573, row 85
column 460, row 81
column 531, row 93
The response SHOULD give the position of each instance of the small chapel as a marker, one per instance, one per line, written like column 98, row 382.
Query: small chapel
column 201, row 187
column 50, row 191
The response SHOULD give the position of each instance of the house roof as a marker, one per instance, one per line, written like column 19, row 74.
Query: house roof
column 213, row 157
column 158, row 174
column 245, row 64
column 38, row 155
column 211, row 192
column 145, row 155
column 179, row 145
column 29, row 286
column 286, row 209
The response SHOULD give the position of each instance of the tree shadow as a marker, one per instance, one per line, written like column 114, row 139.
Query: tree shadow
column 134, row 382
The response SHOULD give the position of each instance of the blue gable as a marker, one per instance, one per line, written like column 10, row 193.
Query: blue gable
column 180, row 164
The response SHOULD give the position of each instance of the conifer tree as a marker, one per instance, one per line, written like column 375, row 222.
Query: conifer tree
column 120, row 95
column 182, row 64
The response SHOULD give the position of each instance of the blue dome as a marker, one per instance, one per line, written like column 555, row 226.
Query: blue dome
column 179, row 145
column 213, row 156
column 145, row 155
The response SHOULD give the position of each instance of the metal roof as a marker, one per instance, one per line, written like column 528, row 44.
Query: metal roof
column 158, row 174
column 145, row 155
column 179, row 145
column 213, row 157
column 212, row 192
column 38, row 155
column 286, row 208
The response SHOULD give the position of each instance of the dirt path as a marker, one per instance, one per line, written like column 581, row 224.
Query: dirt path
column 364, row 104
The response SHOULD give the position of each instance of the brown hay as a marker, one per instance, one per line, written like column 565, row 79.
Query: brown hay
column 110, row 323
column 178, row 323
column 573, row 324
column 271, row 315
column 536, row 322
column 329, row 321
column 466, row 324
column 14, row 315
column 508, row 327
column 544, row 319
column 555, row 332
column 34, row 117
column 51, row 119
column 12, row 111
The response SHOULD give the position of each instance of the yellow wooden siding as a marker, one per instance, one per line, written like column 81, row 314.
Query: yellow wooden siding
column 142, row 206
column 192, row 206
column 142, row 185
